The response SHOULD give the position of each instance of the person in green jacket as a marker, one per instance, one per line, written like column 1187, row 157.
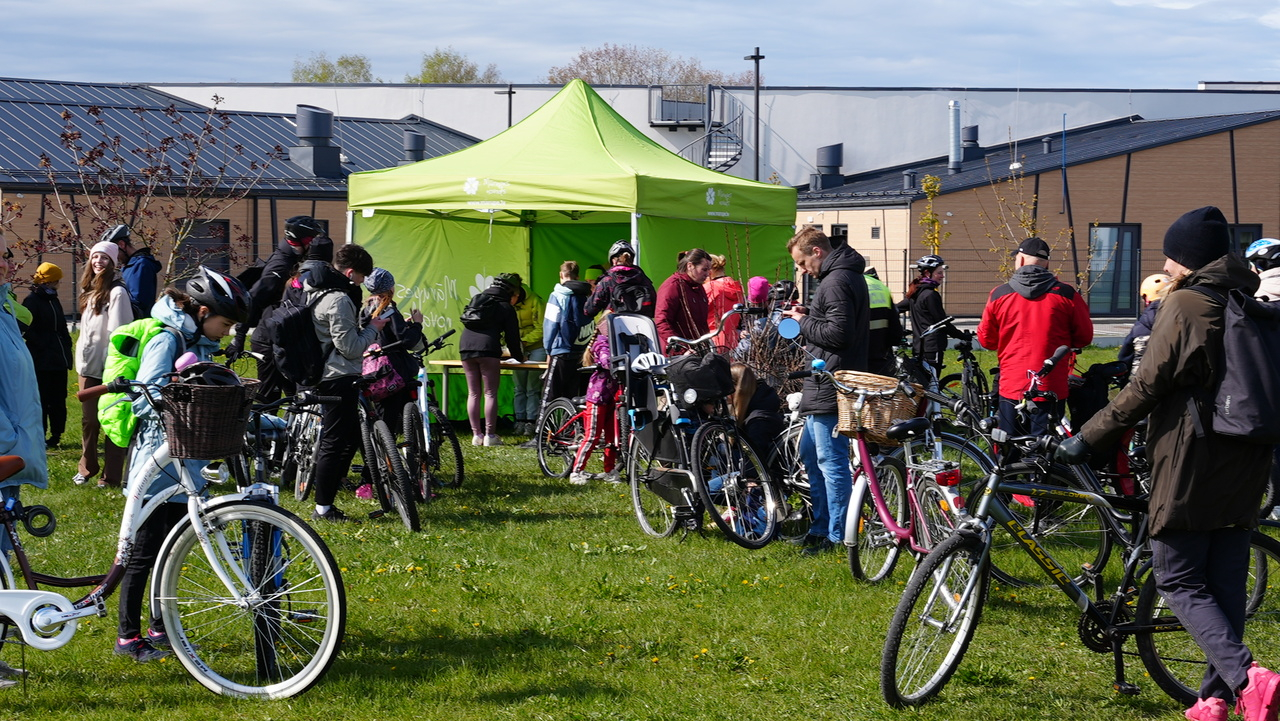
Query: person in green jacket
column 528, row 384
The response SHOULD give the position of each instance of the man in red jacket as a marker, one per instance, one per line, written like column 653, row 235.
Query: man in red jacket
column 1025, row 321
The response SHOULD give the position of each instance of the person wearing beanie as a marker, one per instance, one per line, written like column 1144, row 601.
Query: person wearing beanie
column 104, row 305
column 1025, row 321
column 49, row 343
column 1206, row 488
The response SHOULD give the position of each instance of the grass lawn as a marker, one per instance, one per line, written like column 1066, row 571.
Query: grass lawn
column 529, row 598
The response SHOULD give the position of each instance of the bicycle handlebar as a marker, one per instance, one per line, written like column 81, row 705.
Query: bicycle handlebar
column 1052, row 361
column 737, row 309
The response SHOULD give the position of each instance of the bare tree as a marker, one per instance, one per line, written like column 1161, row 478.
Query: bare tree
column 177, row 171
column 346, row 69
column 635, row 65
column 451, row 66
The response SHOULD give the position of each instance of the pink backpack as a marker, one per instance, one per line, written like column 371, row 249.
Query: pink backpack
column 389, row 381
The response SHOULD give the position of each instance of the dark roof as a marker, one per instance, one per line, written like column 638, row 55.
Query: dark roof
column 32, row 123
column 1083, row 145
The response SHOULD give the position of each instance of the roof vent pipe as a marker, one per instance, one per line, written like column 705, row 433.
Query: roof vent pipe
column 969, row 148
column 953, row 162
column 830, row 158
column 1048, row 145
column 908, row 180
column 315, row 126
column 415, row 147
column 314, row 153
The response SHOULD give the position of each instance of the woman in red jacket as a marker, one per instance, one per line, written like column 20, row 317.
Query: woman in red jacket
column 682, row 303
column 723, row 292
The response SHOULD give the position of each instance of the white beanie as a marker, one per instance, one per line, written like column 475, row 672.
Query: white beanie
column 111, row 250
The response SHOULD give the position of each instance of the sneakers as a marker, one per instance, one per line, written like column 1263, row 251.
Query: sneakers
column 531, row 443
column 477, row 440
column 79, row 479
column 1258, row 700
column 492, row 440
column 365, row 491
column 610, row 477
column 159, row 639
column 524, row 428
column 333, row 514
column 579, row 478
column 1208, row 709
column 822, row 546
column 8, row 672
column 139, row 649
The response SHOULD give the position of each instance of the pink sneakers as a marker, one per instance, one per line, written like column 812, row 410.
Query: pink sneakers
column 1258, row 699
column 1208, row 709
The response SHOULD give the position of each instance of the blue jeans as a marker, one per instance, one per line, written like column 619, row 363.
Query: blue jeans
column 528, row 386
column 826, row 459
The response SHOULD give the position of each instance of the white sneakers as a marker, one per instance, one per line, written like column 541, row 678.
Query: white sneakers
column 477, row 440
column 610, row 477
column 486, row 440
column 579, row 478
column 79, row 480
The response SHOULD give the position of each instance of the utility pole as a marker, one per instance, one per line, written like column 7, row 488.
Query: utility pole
column 509, row 93
column 757, row 57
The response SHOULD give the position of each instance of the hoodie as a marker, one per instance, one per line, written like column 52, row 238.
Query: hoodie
column 336, row 319
column 619, row 275
column 837, row 326
column 563, row 318
column 1025, row 321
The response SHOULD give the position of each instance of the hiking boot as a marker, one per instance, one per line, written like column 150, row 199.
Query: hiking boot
column 139, row 649
column 333, row 514
column 531, row 443
column 1259, row 700
column 1207, row 709
column 579, row 478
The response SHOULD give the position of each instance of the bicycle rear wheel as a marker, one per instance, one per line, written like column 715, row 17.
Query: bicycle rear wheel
column 873, row 549
column 934, row 622
column 1171, row 656
column 411, row 453
column 792, row 480
column 304, row 446
column 285, row 634
column 444, row 453
column 397, row 484
column 734, row 486
column 657, row 517
column 560, row 432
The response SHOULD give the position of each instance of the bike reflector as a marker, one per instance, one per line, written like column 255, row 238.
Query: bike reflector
column 949, row 477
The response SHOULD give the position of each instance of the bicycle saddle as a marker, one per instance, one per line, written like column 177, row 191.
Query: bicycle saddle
column 908, row 428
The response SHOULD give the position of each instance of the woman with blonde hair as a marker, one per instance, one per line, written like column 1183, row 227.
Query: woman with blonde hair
column 104, row 306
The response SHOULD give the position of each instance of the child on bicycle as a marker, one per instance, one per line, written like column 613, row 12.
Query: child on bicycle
column 195, row 321
column 602, row 391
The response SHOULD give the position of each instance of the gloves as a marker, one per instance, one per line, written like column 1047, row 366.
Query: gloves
column 236, row 348
column 1073, row 451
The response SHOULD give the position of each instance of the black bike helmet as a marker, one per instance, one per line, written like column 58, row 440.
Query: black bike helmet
column 206, row 373
column 930, row 263
column 301, row 227
column 221, row 294
column 620, row 247
column 1264, row 254
column 509, row 282
column 116, row 234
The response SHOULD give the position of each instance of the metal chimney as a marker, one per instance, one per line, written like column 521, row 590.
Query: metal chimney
column 969, row 148
column 314, row 151
column 1048, row 145
column 830, row 158
column 956, row 155
column 908, row 180
column 415, row 147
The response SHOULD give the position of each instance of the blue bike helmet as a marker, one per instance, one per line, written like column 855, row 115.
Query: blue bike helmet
column 1264, row 254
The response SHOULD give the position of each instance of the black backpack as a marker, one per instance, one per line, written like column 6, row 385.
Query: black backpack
column 481, row 312
column 1246, row 393
column 295, row 347
column 632, row 298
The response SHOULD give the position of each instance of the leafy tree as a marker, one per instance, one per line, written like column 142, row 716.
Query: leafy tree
column 346, row 69
column 635, row 65
column 451, row 66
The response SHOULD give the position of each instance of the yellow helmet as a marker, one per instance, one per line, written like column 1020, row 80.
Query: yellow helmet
column 1155, row 286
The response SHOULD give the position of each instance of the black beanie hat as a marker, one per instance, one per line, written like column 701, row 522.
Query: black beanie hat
column 1198, row 238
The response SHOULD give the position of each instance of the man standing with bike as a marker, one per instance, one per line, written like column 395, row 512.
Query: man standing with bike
column 1206, row 486
column 835, row 325
column 1024, row 321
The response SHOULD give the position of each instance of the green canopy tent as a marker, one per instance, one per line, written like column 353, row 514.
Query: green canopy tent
column 563, row 184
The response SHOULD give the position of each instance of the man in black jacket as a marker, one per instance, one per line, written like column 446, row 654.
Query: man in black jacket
column 299, row 232
column 836, row 325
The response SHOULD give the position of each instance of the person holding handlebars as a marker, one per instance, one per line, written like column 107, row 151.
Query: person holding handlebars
column 405, row 334
column 1024, row 321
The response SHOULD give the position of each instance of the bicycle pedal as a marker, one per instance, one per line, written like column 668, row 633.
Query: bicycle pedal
column 377, row 514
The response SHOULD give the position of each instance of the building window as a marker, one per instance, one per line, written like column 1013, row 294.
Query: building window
column 1112, row 280
column 839, row 235
column 209, row 245
column 1243, row 235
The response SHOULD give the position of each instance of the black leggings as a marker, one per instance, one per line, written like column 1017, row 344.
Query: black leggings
column 132, row 587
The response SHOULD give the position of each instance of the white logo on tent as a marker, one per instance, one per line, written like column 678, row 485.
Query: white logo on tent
column 471, row 187
column 711, row 196
column 482, row 281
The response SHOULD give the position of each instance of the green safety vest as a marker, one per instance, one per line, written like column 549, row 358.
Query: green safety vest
column 124, row 358
column 881, row 297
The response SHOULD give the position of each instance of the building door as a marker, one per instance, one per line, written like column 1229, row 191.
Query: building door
column 1112, row 282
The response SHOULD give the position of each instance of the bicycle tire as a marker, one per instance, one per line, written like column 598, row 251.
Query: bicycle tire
column 371, row 470
column 734, row 486
column 444, row 456
column 560, row 432
column 1075, row 534
column 975, row 463
column 656, row 516
column 297, row 625
column 924, row 647
column 1171, row 656
column 305, row 454
column 412, row 454
column 873, row 550
column 398, row 485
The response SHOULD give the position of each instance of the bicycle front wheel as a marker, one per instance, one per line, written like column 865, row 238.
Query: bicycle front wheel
column 560, row 432
column 793, row 485
column 412, row 455
column 934, row 622
column 398, row 486
column 656, row 515
column 1171, row 656
column 873, row 549
column 734, row 486
column 304, row 447
column 283, row 633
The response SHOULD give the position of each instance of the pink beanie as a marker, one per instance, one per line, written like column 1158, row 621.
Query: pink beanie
column 109, row 249
column 758, row 289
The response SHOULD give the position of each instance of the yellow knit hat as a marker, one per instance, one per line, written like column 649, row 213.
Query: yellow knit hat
column 47, row 274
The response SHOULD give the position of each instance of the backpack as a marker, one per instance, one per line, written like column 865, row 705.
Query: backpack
column 295, row 347
column 632, row 298
column 481, row 312
column 1246, row 393
column 124, row 358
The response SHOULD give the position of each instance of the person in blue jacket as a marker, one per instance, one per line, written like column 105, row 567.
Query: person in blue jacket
column 562, row 323
column 138, row 269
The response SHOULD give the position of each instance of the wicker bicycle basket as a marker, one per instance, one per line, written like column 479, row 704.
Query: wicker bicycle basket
column 877, row 413
column 206, row 422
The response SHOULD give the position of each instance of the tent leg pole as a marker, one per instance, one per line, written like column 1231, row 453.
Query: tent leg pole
column 635, row 240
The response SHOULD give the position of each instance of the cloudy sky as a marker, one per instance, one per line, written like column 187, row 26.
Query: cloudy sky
column 931, row 43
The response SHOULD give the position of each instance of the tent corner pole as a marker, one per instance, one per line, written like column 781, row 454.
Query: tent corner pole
column 351, row 226
column 635, row 238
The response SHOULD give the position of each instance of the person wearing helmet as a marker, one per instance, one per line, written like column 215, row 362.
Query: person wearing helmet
column 924, row 303
column 1153, row 289
column 480, row 349
column 138, row 266
column 197, row 317
column 624, row 286
column 300, row 233
column 1264, row 256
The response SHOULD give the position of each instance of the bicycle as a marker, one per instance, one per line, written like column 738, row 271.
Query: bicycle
column 250, row 595
column 431, row 450
column 391, row 483
column 935, row 620
column 562, row 429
